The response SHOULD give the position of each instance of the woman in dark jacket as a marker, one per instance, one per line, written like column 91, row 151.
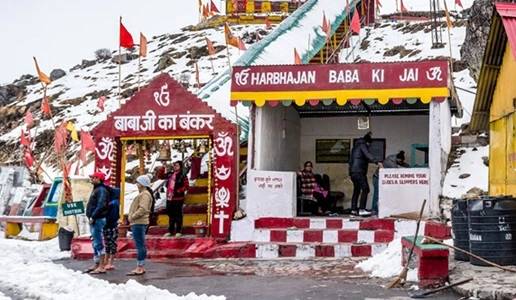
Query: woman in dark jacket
column 177, row 184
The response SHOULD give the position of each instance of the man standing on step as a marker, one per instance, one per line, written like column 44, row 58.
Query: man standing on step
column 97, row 211
column 358, row 164
column 177, row 184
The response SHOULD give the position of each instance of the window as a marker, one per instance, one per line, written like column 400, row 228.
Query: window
column 377, row 148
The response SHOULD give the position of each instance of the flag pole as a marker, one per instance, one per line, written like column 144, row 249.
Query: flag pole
column 212, row 68
column 139, row 65
column 119, row 63
column 454, row 96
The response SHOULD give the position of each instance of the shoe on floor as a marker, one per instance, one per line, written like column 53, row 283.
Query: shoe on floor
column 354, row 212
column 178, row 235
column 167, row 234
column 363, row 213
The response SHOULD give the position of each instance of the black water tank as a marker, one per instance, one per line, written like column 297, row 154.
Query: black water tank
column 460, row 228
column 492, row 230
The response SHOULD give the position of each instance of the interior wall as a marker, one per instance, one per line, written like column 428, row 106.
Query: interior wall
column 400, row 133
column 277, row 138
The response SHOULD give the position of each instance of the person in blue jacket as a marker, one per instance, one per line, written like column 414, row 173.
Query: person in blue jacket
column 97, row 211
column 111, row 229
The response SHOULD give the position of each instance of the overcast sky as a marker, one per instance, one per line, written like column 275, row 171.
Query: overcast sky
column 60, row 33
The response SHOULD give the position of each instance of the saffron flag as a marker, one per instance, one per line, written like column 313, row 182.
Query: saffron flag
column 241, row 45
column 328, row 32
column 29, row 120
column 197, row 81
column 23, row 139
column 267, row 23
column 100, row 104
column 324, row 23
column 73, row 131
column 29, row 159
column 45, row 107
column 378, row 3
column 230, row 38
column 87, row 142
column 235, row 5
column 211, row 49
column 297, row 59
column 126, row 39
column 403, row 8
column 143, row 45
column 44, row 78
column 214, row 8
column 355, row 23
column 457, row 2
column 448, row 19
column 205, row 11
column 66, row 182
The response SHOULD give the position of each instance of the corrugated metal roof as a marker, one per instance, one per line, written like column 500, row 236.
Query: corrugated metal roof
column 493, row 56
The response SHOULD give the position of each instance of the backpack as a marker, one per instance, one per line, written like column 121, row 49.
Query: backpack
column 113, row 199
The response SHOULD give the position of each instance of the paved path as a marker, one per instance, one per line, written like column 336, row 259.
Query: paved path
column 257, row 280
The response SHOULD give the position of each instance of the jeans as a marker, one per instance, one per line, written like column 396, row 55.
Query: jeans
column 139, row 242
column 175, row 215
column 374, row 207
column 96, row 242
column 360, row 188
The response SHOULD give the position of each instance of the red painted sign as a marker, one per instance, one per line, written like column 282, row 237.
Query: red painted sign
column 364, row 76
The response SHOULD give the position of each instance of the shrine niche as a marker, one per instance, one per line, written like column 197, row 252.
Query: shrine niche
column 164, row 109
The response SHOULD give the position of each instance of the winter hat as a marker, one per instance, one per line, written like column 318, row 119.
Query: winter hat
column 368, row 139
column 401, row 155
column 150, row 176
column 143, row 180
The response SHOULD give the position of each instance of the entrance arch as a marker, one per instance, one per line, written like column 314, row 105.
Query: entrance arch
column 164, row 109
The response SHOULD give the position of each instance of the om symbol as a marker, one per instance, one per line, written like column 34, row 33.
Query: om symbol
column 163, row 97
column 434, row 74
column 224, row 145
column 104, row 148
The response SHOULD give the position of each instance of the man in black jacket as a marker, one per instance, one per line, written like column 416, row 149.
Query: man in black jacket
column 96, row 211
column 358, row 163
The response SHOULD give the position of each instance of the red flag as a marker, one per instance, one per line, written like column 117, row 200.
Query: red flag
column 60, row 137
column 87, row 142
column 197, row 81
column 355, row 23
column 297, row 59
column 347, row 7
column 324, row 23
column 267, row 23
column 299, row 3
column 82, row 156
column 379, row 4
column 211, row 49
column 403, row 8
column 126, row 39
column 29, row 159
column 129, row 149
column 69, row 166
column 257, row 36
column 235, row 5
column 459, row 3
column 29, row 120
column 100, row 104
column 241, row 45
column 44, row 104
column 23, row 139
column 214, row 8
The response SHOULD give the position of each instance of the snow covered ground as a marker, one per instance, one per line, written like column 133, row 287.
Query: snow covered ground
column 28, row 267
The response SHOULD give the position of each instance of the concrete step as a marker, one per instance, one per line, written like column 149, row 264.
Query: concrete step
column 312, row 250
column 324, row 223
column 323, row 235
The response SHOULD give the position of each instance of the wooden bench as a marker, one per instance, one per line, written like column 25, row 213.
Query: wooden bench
column 430, row 259
column 47, row 226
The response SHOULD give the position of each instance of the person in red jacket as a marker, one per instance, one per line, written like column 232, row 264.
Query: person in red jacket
column 176, row 186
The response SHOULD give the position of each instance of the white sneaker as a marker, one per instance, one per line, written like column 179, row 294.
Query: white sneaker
column 364, row 212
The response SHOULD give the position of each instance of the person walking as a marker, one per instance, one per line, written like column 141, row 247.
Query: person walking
column 97, row 211
column 177, row 184
column 392, row 161
column 111, row 228
column 358, row 164
column 138, row 217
